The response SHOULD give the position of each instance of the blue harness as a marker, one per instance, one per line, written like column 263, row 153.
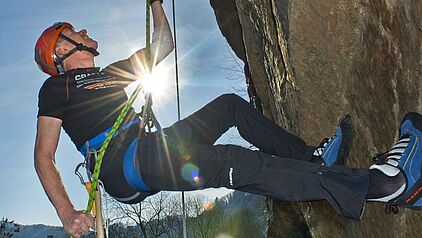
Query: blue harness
column 131, row 167
column 96, row 142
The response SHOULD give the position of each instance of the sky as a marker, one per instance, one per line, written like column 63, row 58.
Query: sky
column 119, row 27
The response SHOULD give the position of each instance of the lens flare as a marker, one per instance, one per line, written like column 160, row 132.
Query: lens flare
column 208, row 206
column 190, row 173
column 223, row 235
column 186, row 157
column 156, row 82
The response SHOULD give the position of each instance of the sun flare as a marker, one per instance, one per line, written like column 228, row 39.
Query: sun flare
column 156, row 83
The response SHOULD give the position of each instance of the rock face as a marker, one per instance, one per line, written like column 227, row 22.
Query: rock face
column 311, row 62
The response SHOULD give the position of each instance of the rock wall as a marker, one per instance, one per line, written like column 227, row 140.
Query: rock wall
column 312, row 62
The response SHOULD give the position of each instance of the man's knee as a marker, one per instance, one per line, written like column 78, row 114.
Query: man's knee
column 231, row 99
column 229, row 96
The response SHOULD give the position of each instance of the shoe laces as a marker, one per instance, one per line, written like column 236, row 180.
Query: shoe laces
column 320, row 149
column 392, row 156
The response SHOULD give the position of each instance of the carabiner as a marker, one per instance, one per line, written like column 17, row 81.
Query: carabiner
column 81, row 178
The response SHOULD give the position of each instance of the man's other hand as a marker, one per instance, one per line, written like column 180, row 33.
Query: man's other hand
column 77, row 223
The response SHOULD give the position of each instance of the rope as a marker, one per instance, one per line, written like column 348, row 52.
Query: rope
column 148, row 33
column 120, row 118
column 176, row 61
column 178, row 108
column 147, row 111
column 103, row 148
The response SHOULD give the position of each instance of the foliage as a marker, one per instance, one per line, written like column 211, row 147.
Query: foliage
column 241, row 224
column 161, row 216
column 8, row 228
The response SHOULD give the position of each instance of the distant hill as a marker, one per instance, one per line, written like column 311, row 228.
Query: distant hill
column 40, row 231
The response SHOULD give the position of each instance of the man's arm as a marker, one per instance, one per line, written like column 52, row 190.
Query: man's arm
column 74, row 222
column 162, row 41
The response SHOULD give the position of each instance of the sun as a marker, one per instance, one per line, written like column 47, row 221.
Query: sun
column 156, row 83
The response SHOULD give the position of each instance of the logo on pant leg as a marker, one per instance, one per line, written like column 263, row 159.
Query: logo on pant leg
column 231, row 176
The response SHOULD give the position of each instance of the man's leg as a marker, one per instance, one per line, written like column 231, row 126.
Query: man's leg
column 187, row 166
column 210, row 122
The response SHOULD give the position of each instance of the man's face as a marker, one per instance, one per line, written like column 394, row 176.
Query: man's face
column 81, row 37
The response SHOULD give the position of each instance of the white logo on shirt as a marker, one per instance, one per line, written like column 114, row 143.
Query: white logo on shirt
column 231, row 176
column 82, row 76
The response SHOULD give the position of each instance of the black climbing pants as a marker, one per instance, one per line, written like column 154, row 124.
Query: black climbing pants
column 187, row 159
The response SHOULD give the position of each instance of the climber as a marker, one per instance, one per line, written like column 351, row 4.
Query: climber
column 85, row 101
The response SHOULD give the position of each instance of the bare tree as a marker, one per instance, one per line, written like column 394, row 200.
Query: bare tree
column 235, row 71
column 149, row 217
column 161, row 216
column 118, row 230
column 8, row 228
column 206, row 218
column 175, row 217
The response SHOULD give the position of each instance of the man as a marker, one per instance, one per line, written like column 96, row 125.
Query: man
column 86, row 101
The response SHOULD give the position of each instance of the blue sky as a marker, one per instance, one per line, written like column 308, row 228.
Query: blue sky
column 118, row 25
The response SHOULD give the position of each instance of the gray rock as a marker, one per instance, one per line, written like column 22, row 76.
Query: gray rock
column 311, row 62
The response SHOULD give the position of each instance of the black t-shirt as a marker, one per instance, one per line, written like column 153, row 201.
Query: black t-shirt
column 87, row 100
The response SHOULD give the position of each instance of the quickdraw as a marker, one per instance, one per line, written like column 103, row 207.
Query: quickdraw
column 85, row 182
column 96, row 207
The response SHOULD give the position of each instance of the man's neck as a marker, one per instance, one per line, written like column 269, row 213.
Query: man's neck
column 78, row 64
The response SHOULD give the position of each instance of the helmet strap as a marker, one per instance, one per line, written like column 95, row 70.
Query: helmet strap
column 59, row 64
column 78, row 47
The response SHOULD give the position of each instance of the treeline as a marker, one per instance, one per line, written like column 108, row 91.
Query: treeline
column 161, row 217
column 8, row 228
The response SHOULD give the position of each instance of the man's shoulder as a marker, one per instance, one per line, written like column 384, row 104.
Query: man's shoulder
column 53, row 84
column 54, row 80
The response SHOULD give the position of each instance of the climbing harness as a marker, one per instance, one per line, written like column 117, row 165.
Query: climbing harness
column 94, row 144
column 102, row 141
column 120, row 119
column 98, row 145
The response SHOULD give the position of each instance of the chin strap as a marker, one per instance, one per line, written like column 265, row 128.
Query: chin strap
column 78, row 47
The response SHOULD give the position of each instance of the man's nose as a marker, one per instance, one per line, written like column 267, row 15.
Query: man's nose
column 83, row 32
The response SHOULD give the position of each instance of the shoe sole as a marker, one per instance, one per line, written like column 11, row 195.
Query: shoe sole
column 411, row 198
column 346, row 140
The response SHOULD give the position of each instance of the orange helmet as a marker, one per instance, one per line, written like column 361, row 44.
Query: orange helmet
column 45, row 56
column 45, row 47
